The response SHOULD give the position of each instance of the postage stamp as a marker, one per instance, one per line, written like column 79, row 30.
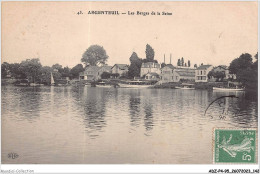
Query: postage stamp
column 234, row 145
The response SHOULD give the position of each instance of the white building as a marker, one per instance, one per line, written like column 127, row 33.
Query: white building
column 201, row 73
column 150, row 67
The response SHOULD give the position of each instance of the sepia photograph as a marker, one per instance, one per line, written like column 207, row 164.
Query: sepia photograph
column 129, row 82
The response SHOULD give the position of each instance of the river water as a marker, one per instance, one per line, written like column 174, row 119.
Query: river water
column 87, row 125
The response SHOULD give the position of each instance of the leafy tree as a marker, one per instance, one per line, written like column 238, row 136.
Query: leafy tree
column 245, row 70
column 185, row 64
column 94, row 55
column 14, row 69
column 188, row 63
column 46, row 75
column 58, row 67
column 76, row 70
column 238, row 64
column 4, row 69
column 105, row 75
column 135, row 66
column 163, row 65
column 179, row 62
column 66, row 72
column 32, row 69
column 182, row 61
column 149, row 53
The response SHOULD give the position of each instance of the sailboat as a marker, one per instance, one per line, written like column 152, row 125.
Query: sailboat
column 52, row 80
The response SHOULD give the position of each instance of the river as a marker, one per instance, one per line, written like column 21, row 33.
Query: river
column 88, row 125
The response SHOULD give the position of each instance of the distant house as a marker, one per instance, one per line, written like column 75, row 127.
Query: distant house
column 149, row 67
column 120, row 69
column 224, row 69
column 90, row 73
column 201, row 73
column 152, row 76
column 184, row 74
column 104, row 68
column 169, row 73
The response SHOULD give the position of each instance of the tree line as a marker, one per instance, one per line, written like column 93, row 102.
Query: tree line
column 243, row 67
column 33, row 70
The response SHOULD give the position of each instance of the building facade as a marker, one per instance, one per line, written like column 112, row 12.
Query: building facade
column 149, row 67
column 169, row 73
column 152, row 76
column 120, row 69
column 94, row 72
column 201, row 73
column 103, row 69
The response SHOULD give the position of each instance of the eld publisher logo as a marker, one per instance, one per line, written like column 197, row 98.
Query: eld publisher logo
column 13, row 155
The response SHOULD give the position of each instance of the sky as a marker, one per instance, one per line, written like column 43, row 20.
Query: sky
column 202, row 32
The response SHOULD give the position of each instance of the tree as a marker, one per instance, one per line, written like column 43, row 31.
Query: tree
column 94, row 55
column 4, row 69
column 135, row 66
column 149, row 53
column 15, row 71
column 105, row 75
column 32, row 69
column 195, row 66
column 238, row 64
column 179, row 62
column 65, row 72
column 76, row 70
column 46, row 74
column 185, row 64
column 188, row 63
column 57, row 66
column 163, row 65
column 182, row 61
column 245, row 70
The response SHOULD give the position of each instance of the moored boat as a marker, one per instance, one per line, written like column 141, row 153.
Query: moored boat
column 185, row 86
column 135, row 84
column 228, row 89
column 103, row 84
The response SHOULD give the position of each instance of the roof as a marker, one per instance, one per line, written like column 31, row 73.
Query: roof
column 92, row 68
column 204, row 66
column 169, row 66
column 106, row 67
column 153, row 74
column 223, row 67
column 186, row 73
column 150, row 64
column 121, row 66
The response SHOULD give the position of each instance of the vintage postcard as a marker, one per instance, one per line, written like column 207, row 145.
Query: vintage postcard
column 129, row 82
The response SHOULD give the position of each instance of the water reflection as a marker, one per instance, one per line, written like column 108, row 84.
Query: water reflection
column 106, row 125
column 134, row 110
column 148, row 119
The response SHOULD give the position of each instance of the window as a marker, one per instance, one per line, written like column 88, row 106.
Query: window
column 176, row 77
column 200, row 72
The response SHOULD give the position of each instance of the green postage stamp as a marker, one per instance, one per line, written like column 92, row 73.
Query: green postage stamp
column 234, row 145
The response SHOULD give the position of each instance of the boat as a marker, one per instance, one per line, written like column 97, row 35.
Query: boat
column 23, row 82
column 228, row 89
column 103, row 85
column 36, row 84
column 135, row 84
column 52, row 80
column 185, row 86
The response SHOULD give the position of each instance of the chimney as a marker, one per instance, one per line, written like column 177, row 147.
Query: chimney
column 171, row 58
